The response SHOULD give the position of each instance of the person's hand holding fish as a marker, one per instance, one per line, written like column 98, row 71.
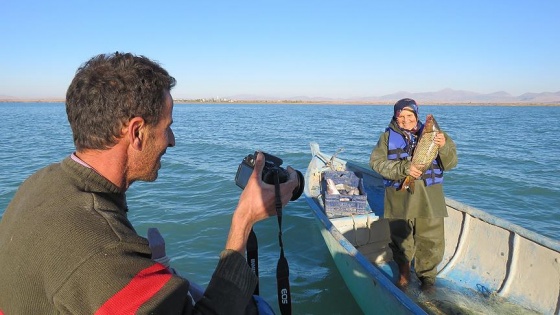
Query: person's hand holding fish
column 439, row 139
column 415, row 170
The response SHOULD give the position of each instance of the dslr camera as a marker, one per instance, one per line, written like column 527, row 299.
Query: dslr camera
column 271, row 170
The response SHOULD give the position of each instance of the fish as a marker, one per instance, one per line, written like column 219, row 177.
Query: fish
column 334, row 189
column 331, row 187
column 425, row 152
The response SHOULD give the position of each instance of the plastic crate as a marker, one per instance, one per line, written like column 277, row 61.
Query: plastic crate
column 343, row 204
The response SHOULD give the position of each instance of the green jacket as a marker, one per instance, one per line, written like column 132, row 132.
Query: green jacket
column 67, row 247
column 427, row 201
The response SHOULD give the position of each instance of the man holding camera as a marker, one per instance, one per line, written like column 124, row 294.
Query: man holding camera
column 66, row 244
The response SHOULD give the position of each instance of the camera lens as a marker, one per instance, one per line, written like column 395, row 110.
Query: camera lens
column 271, row 169
column 299, row 189
column 283, row 176
column 269, row 175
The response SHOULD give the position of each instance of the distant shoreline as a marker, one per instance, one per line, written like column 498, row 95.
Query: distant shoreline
column 299, row 102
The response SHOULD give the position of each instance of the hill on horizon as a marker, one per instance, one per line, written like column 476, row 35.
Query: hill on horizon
column 442, row 96
column 448, row 96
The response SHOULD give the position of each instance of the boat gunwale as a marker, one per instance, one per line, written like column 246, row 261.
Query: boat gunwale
column 493, row 220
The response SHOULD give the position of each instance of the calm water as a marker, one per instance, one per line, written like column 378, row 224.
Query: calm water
column 508, row 166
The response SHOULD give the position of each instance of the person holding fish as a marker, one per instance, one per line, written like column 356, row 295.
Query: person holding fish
column 412, row 157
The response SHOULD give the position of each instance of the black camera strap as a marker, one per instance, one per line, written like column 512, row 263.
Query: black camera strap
column 253, row 256
column 282, row 268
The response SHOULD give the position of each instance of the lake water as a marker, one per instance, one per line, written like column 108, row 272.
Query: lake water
column 508, row 162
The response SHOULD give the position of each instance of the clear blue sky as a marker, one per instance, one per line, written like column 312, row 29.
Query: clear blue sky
column 337, row 49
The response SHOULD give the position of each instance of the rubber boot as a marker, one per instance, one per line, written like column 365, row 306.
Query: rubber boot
column 427, row 284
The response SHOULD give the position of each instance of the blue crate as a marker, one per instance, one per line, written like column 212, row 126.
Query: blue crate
column 344, row 205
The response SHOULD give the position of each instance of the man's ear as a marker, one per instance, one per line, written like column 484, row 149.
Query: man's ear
column 137, row 132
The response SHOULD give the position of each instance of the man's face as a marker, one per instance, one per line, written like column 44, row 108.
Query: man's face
column 159, row 138
column 407, row 120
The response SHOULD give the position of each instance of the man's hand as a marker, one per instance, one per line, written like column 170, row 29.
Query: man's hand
column 257, row 202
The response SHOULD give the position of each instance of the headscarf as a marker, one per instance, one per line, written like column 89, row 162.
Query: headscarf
column 410, row 105
column 405, row 104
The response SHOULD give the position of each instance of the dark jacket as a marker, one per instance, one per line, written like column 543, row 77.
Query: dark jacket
column 427, row 201
column 67, row 247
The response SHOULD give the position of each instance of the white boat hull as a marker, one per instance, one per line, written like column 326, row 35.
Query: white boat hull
column 491, row 259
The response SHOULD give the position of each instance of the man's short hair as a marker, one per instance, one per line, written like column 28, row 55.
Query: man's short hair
column 110, row 89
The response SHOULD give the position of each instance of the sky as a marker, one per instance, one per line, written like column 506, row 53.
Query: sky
column 268, row 48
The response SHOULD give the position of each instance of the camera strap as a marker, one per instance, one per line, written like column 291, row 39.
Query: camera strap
column 253, row 256
column 282, row 268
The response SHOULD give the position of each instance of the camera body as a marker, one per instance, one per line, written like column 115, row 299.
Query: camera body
column 271, row 170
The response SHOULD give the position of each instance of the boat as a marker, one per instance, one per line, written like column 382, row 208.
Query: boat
column 490, row 266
